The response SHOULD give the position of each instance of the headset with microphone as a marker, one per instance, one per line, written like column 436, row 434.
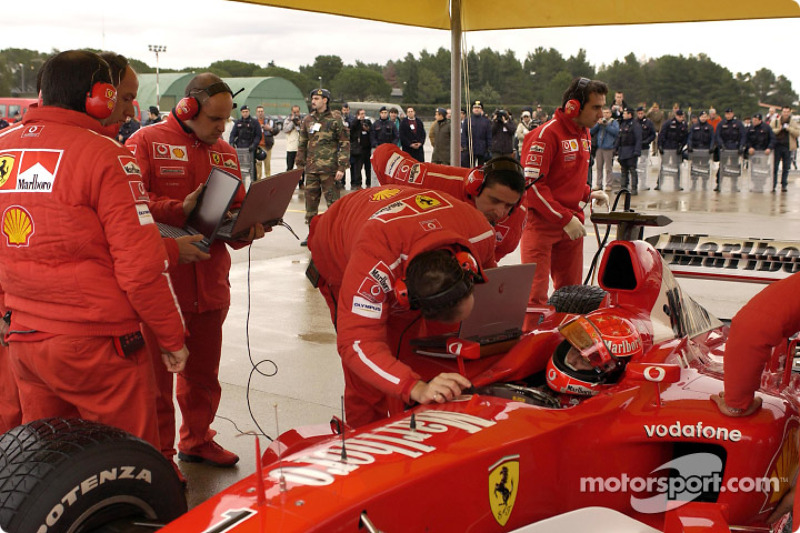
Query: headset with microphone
column 471, row 273
column 575, row 104
column 189, row 106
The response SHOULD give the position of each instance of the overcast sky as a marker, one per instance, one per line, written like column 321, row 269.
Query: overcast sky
column 202, row 31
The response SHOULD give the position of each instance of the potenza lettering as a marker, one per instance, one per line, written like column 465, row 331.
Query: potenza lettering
column 319, row 467
column 729, row 254
column 89, row 484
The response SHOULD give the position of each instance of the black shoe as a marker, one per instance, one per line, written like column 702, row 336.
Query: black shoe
column 784, row 189
column 304, row 243
column 716, row 189
column 657, row 188
column 634, row 193
column 680, row 188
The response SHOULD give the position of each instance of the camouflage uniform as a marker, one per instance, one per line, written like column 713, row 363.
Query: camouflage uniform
column 324, row 149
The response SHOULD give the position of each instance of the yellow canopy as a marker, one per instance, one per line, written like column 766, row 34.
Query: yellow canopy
column 516, row 14
column 475, row 15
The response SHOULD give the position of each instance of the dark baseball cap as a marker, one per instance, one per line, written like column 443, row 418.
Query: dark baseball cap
column 244, row 108
column 679, row 112
column 758, row 116
column 383, row 108
column 640, row 108
column 729, row 110
column 442, row 111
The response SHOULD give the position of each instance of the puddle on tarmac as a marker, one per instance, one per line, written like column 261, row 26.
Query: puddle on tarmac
column 319, row 338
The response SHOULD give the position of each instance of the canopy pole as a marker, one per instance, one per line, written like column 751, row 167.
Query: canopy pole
column 455, row 82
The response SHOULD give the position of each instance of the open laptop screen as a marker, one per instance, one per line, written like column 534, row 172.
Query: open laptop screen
column 214, row 202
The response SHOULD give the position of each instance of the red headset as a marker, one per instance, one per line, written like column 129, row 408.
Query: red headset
column 574, row 105
column 100, row 100
column 189, row 106
column 472, row 273
column 476, row 180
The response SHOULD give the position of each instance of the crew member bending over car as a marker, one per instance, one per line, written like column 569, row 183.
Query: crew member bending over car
column 495, row 188
column 555, row 157
column 385, row 258
column 767, row 320
column 82, row 261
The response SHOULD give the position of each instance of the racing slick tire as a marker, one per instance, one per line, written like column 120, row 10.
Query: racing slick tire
column 69, row 475
column 577, row 299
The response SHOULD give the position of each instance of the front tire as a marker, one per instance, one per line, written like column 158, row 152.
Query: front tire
column 74, row 476
column 577, row 299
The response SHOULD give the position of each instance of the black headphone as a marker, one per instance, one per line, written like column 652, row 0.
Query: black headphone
column 189, row 105
column 577, row 99
column 471, row 273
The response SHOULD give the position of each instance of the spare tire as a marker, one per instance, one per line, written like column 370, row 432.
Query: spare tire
column 70, row 476
column 577, row 299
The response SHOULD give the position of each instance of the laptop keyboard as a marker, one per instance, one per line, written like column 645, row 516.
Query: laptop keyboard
column 507, row 335
column 170, row 231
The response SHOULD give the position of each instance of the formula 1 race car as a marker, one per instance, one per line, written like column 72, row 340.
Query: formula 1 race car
column 537, row 437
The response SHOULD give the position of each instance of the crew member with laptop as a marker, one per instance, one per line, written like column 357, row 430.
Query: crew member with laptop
column 176, row 157
column 385, row 258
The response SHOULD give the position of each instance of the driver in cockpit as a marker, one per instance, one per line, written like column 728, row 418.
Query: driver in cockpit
column 593, row 355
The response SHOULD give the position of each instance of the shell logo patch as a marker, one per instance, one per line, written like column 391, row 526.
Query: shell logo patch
column 17, row 226
column 426, row 202
column 503, row 487
column 179, row 153
column 384, row 195
column 169, row 151
column 6, row 166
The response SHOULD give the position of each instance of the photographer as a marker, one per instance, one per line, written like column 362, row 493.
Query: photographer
column 604, row 136
column 291, row 127
column 503, row 130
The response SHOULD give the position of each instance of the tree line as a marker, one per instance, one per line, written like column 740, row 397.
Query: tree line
column 499, row 79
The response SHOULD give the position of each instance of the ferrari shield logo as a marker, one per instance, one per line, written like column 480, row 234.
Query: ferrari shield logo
column 503, row 487
column 426, row 202
column 6, row 166
column 385, row 194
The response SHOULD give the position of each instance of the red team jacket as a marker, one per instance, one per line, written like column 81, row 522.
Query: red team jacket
column 81, row 254
column 556, row 157
column 362, row 245
column 393, row 166
column 174, row 163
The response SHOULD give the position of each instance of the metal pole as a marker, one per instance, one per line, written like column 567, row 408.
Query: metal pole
column 455, row 82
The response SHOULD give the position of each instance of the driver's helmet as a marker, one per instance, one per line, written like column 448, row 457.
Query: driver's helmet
column 593, row 354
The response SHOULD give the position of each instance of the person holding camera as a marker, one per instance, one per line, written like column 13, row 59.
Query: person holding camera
column 503, row 130
column 268, row 131
column 476, row 137
column 291, row 127
column 604, row 136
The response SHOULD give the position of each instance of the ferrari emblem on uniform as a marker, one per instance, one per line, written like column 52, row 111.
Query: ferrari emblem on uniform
column 503, row 487
column 17, row 226
column 384, row 195
column 6, row 166
column 426, row 202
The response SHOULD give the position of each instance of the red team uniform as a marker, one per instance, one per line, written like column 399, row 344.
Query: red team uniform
column 555, row 157
column 82, row 264
column 174, row 163
column 393, row 166
column 361, row 246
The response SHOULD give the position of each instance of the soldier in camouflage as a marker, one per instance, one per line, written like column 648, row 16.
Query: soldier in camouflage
column 324, row 152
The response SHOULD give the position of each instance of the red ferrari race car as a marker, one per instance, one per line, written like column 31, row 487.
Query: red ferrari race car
column 604, row 402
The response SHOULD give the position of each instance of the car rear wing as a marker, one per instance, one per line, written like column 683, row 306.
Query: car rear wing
column 727, row 258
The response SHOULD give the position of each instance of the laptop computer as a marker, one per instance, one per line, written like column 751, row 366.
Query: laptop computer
column 210, row 211
column 266, row 202
column 498, row 315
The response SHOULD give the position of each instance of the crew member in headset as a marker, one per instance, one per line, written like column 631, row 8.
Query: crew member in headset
column 176, row 157
column 82, row 262
column 555, row 157
column 386, row 257
column 495, row 189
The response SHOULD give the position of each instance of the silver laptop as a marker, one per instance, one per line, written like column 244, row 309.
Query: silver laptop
column 266, row 202
column 210, row 212
column 499, row 312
